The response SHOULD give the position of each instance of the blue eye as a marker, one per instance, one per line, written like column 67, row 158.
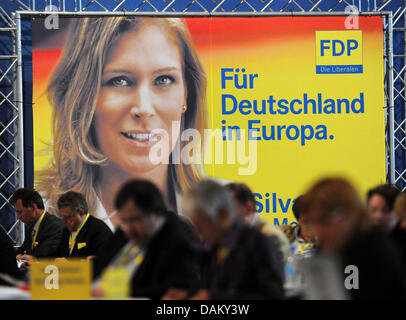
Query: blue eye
column 119, row 82
column 164, row 80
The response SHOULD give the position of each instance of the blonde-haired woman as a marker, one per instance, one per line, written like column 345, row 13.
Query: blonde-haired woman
column 119, row 79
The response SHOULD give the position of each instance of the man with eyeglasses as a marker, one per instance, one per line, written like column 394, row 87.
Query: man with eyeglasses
column 160, row 251
column 241, row 263
column 43, row 232
column 84, row 235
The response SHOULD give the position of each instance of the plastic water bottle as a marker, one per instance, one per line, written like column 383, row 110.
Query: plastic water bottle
column 293, row 275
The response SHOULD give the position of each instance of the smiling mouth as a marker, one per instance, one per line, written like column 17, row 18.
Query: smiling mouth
column 141, row 138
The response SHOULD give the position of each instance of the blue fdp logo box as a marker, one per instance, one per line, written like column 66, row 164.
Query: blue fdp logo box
column 339, row 51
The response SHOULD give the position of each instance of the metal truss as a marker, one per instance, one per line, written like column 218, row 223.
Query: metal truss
column 11, row 143
column 11, row 104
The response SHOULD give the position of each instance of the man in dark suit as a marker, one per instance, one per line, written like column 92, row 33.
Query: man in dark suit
column 242, row 263
column 43, row 232
column 160, row 253
column 84, row 236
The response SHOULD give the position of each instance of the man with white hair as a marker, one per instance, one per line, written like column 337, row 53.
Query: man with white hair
column 242, row 264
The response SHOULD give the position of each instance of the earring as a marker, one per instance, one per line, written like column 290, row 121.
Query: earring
column 184, row 108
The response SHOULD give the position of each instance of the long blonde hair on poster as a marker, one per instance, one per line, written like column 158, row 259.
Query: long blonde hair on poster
column 72, row 91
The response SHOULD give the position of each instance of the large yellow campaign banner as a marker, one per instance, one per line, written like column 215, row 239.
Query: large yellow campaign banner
column 274, row 102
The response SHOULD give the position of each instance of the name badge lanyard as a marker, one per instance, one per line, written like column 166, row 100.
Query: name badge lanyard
column 36, row 231
column 72, row 240
column 302, row 248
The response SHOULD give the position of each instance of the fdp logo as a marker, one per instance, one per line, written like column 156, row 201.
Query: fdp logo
column 339, row 51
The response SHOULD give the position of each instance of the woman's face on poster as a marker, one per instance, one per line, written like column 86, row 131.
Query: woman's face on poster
column 142, row 90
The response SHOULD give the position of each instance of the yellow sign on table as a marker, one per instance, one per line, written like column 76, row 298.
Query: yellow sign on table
column 50, row 280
